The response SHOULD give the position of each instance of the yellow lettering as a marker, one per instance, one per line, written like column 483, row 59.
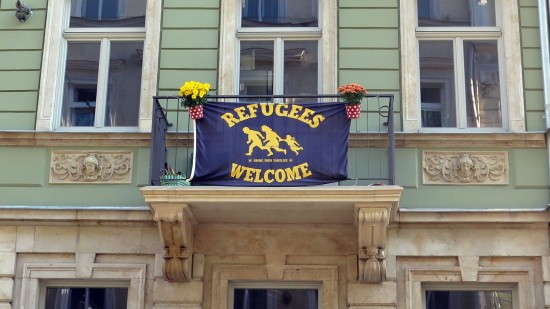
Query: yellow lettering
column 240, row 112
column 304, row 167
column 252, row 108
column 294, row 111
column 280, row 111
column 292, row 173
column 317, row 119
column 248, row 175
column 279, row 175
column 236, row 170
column 267, row 109
column 258, row 174
column 231, row 121
column 305, row 115
column 266, row 176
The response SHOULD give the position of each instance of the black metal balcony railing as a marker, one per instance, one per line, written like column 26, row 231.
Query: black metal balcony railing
column 371, row 158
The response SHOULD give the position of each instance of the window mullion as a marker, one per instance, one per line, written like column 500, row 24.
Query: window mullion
column 460, row 83
column 278, row 67
column 102, row 83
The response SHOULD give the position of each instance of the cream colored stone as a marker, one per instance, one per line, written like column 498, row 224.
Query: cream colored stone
column 6, row 289
column 176, row 306
column 372, row 294
column 109, row 240
column 7, row 263
column 25, row 239
column 177, row 292
column 198, row 266
column 7, row 238
column 89, row 167
column 159, row 261
column 150, row 241
column 55, row 239
column 467, row 239
column 547, row 294
column 546, row 268
column 84, row 264
column 391, row 267
column 469, row 267
column 5, row 305
column 371, row 307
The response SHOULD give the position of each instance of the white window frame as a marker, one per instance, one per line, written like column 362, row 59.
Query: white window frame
column 57, row 33
column 275, row 285
column 510, row 65
column 231, row 34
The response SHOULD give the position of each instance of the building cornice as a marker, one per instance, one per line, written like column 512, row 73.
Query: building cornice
column 356, row 140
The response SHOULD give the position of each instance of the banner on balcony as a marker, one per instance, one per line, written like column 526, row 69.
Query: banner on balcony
column 271, row 144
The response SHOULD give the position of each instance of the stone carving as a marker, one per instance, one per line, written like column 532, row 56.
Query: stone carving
column 91, row 167
column 372, row 224
column 462, row 168
column 177, row 238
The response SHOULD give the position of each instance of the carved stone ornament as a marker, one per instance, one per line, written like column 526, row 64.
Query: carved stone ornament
column 372, row 224
column 91, row 167
column 177, row 238
column 465, row 168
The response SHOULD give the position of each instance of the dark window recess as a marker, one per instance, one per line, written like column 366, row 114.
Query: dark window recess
column 86, row 298
column 275, row 299
column 469, row 300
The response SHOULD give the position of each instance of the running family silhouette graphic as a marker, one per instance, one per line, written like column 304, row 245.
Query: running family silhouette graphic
column 270, row 142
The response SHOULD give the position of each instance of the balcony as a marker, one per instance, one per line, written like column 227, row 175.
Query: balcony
column 371, row 142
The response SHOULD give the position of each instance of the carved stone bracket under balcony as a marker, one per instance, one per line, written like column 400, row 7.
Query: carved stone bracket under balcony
column 176, row 231
column 372, row 223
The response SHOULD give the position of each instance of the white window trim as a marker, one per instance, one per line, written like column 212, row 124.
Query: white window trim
column 509, row 61
column 53, row 59
column 37, row 276
column 229, row 47
column 275, row 285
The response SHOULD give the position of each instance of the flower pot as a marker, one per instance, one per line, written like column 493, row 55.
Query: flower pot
column 353, row 110
column 195, row 112
column 173, row 180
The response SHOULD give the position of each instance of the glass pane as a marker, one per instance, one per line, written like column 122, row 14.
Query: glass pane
column 86, row 298
column 256, row 68
column 301, row 67
column 124, row 86
column 456, row 13
column 482, row 84
column 280, row 13
column 107, row 13
column 468, row 299
column 79, row 93
column 437, row 86
column 275, row 299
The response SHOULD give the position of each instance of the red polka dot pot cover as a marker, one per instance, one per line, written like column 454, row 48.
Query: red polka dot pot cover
column 195, row 112
column 353, row 111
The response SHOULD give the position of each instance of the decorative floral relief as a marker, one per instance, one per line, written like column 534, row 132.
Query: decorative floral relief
column 465, row 167
column 91, row 167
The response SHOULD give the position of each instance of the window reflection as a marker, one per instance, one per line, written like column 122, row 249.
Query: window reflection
column 256, row 68
column 86, row 298
column 280, row 13
column 456, row 13
column 275, row 299
column 107, row 13
column 468, row 299
column 301, row 67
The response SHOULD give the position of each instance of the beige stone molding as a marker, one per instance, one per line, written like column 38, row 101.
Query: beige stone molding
column 72, row 166
column 465, row 168
column 35, row 275
column 176, row 231
column 356, row 140
column 372, row 226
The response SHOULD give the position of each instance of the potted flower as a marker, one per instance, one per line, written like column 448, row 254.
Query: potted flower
column 194, row 96
column 352, row 94
column 169, row 177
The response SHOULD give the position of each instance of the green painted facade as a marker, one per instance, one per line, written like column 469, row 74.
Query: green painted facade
column 368, row 53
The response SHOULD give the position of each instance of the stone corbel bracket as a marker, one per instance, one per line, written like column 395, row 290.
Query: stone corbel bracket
column 372, row 222
column 176, row 227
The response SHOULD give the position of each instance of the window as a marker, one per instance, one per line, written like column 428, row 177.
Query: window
column 279, row 44
column 465, row 56
column 99, row 69
column 86, row 297
column 468, row 299
column 280, row 295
